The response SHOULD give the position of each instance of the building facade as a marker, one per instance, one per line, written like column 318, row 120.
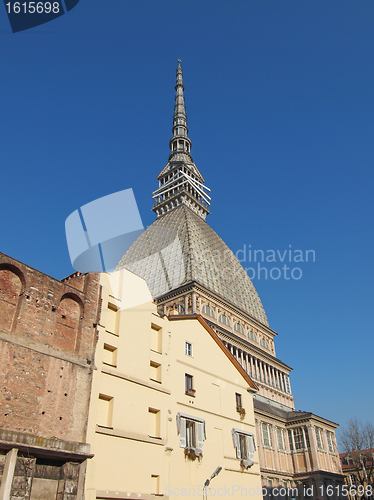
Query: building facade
column 164, row 415
column 190, row 270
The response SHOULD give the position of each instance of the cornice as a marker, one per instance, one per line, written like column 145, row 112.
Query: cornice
column 197, row 287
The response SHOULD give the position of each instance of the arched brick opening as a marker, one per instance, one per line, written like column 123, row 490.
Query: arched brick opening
column 12, row 285
column 69, row 315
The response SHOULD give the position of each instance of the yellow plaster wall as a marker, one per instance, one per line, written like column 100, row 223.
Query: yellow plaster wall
column 125, row 456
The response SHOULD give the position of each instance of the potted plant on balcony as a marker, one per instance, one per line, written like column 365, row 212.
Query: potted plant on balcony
column 190, row 453
column 241, row 411
column 193, row 454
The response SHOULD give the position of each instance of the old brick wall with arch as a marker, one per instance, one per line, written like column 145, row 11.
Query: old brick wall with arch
column 47, row 343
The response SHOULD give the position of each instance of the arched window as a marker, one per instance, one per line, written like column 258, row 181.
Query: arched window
column 69, row 313
column 224, row 319
column 238, row 328
column 263, row 343
column 11, row 287
column 208, row 311
column 252, row 335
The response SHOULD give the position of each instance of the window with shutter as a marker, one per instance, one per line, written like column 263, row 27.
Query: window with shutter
column 244, row 443
column 191, row 433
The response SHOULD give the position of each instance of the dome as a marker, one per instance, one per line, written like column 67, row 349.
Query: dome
column 180, row 248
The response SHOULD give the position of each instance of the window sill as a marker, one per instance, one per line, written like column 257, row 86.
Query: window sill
column 154, row 380
column 191, row 394
column 129, row 435
column 112, row 333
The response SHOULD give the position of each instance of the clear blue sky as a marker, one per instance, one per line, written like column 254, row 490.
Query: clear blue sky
column 280, row 103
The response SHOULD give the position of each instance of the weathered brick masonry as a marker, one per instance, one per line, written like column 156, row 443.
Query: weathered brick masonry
column 47, row 345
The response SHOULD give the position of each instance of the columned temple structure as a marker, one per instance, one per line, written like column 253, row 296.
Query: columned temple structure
column 190, row 270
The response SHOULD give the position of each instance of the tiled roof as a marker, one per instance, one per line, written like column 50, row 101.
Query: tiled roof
column 368, row 452
column 288, row 416
column 350, row 460
column 179, row 248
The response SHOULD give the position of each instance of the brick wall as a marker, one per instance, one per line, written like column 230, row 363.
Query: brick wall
column 47, row 343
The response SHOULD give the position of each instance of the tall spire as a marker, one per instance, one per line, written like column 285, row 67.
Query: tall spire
column 180, row 143
column 180, row 182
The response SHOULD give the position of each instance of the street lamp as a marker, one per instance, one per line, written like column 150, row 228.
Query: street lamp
column 207, row 482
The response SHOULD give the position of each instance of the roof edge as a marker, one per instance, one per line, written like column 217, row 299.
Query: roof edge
column 253, row 386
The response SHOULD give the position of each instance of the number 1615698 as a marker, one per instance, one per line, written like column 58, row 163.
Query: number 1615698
column 33, row 7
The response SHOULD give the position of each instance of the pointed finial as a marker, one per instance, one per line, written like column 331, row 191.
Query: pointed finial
column 180, row 182
column 180, row 142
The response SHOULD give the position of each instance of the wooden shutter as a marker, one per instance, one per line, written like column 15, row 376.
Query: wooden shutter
column 182, row 433
column 250, row 446
column 200, row 435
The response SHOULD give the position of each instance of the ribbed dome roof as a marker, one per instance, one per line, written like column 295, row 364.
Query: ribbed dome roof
column 180, row 247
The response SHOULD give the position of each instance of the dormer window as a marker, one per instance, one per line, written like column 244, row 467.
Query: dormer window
column 238, row 328
column 224, row 319
column 252, row 335
column 263, row 343
column 208, row 311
